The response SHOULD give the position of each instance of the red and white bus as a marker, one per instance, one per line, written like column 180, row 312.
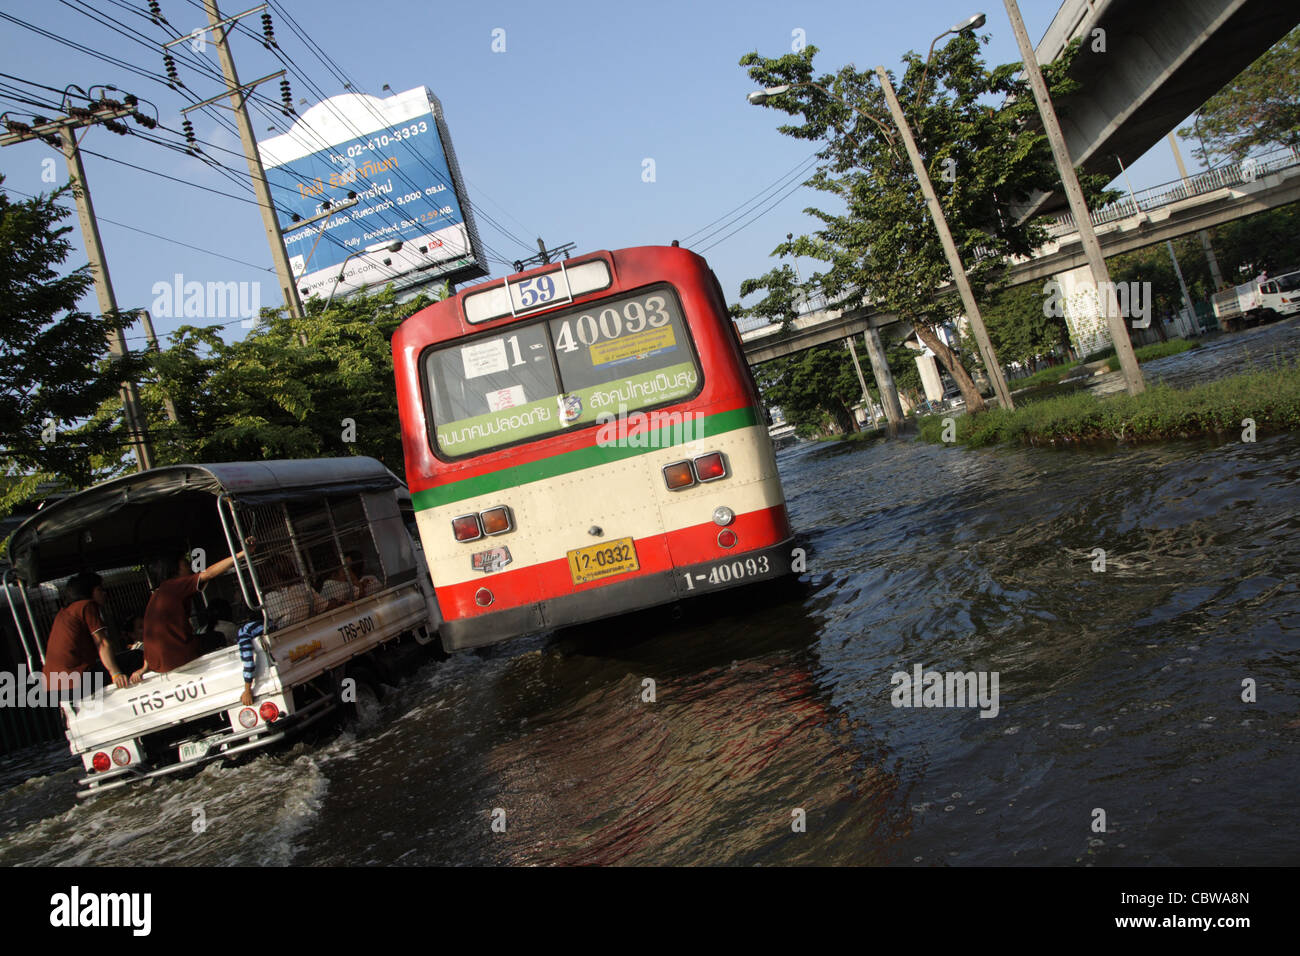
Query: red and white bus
column 582, row 440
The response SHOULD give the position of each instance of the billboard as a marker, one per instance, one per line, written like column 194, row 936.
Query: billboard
column 410, row 223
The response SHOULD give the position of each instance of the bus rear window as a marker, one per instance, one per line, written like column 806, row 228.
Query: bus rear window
column 612, row 356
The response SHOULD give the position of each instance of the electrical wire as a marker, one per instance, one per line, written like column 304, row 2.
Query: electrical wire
column 754, row 219
column 155, row 235
column 342, row 78
column 158, row 78
column 798, row 170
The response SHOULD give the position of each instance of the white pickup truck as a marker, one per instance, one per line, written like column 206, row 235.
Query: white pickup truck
column 1257, row 300
column 318, row 524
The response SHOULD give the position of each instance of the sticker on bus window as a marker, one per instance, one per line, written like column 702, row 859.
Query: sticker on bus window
column 485, row 358
column 638, row 346
column 511, row 397
column 570, row 408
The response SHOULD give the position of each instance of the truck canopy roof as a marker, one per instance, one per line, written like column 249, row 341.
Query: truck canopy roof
column 107, row 524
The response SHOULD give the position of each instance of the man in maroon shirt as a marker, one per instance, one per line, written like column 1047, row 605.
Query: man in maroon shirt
column 78, row 637
column 169, row 640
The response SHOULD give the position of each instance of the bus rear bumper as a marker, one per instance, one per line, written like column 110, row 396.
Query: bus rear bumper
column 620, row 597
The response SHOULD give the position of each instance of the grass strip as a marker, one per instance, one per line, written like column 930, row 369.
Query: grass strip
column 1270, row 398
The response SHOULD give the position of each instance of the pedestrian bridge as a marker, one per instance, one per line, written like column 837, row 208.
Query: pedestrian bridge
column 1144, row 67
column 1137, row 220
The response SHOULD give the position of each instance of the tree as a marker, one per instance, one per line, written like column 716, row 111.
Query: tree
column 270, row 396
column 813, row 388
column 1268, row 241
column 1261, row 107
column 884, row 249
column 55, row 373
column 780, row 303
column 1018, row 325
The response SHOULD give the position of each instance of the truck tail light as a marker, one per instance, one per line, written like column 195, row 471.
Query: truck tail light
column 101, row 762
column 270, row 713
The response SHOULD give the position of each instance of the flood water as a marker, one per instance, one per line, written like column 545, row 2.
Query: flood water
column 1119, row 691
column 1258, row 349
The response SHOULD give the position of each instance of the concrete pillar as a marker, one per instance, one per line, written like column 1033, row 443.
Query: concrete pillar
column 930, row 378
column 884, row 378
column 1077, row 296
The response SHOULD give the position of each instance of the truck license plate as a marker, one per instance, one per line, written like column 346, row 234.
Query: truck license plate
column 194, row 749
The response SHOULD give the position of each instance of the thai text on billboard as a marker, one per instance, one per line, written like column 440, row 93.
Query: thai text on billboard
column 392, row 156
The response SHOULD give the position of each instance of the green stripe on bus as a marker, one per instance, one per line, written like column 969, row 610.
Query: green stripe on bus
column 578, row 460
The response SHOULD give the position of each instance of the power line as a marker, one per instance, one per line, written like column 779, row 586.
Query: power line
column 81, row 48
column 753, row 219
column 776, row 183
column 155, row 235
column 153, row 76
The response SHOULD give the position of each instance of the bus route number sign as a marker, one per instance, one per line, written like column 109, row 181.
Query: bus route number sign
column 603, row 560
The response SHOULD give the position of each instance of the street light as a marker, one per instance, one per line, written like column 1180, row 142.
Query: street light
column 970, row 23
column 377, row 247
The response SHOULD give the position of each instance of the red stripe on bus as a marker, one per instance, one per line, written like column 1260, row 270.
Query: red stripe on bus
column 656, row 553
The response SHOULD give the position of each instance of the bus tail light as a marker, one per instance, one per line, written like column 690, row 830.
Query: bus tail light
column 497, row 520
column 711, row 467
column 101, row 762
column 727, row 538
column 679, row 475
column 270, row 713
column 466, row 528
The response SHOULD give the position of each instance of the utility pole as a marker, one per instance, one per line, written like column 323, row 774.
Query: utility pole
column 1078, row 207
column 147, row 320
column 1210, row 258
column 238, row 98
column 62, row 133
column 949, row 247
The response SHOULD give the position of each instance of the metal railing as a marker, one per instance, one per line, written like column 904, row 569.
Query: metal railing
column 1248, row 170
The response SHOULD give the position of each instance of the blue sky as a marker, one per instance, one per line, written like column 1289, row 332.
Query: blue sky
column 551, row 134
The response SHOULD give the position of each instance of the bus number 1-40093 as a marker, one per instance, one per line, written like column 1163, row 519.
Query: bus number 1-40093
column 730, row 572
column 358, row 628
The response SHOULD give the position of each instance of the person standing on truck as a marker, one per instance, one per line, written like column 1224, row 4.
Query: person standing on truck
column 79, row 637
column 169, row 640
